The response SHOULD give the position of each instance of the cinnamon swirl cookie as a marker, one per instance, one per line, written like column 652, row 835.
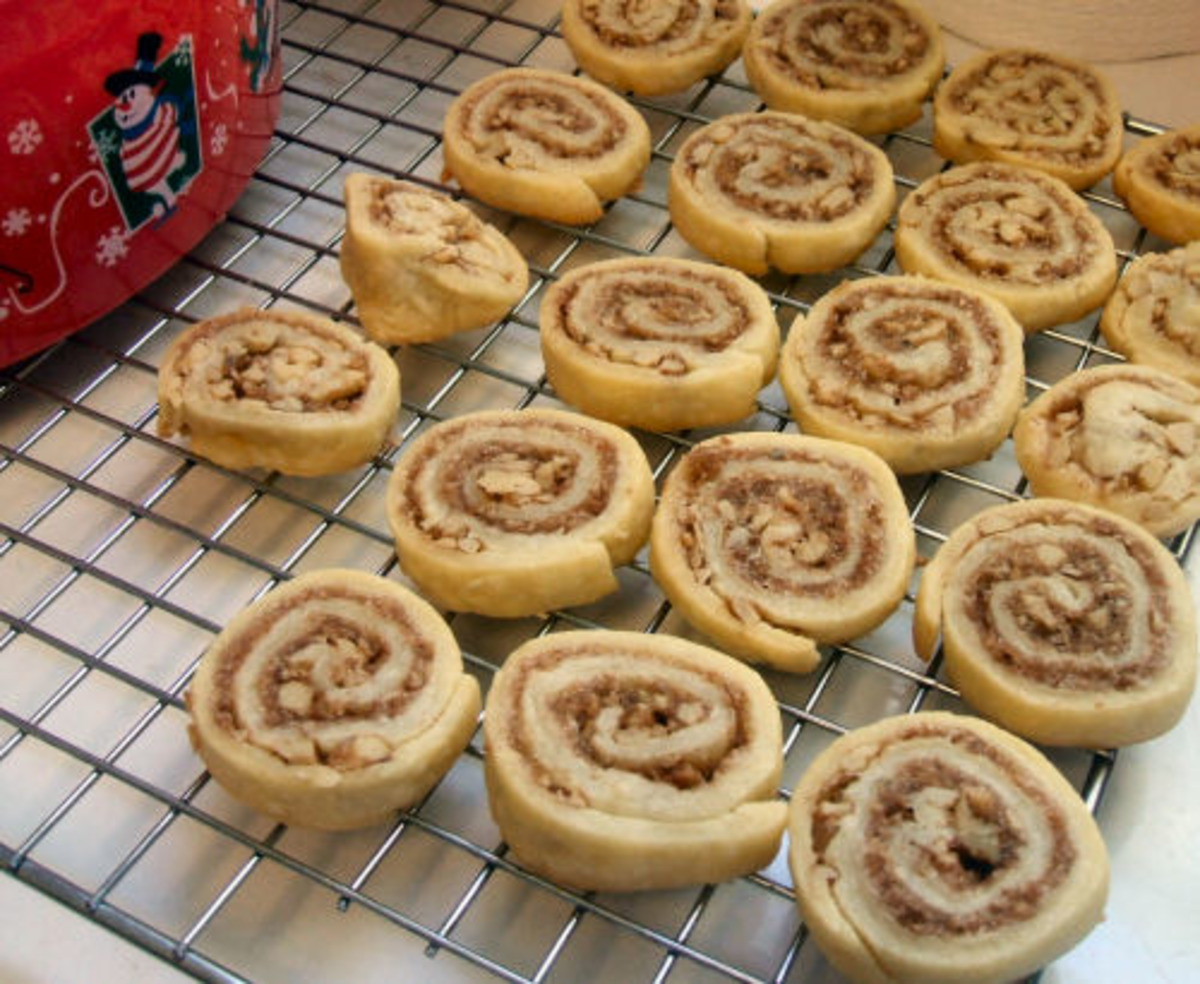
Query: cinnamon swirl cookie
column 654, row 48
column 865, row 64
column 1067, row 624
column 1029, row 107
column 770, row 543
column 545, row 144
column 659, row 343
column 1159, row 179
column 936, row 847
column 293, row 392
column 1126, row 438
column 333, row 701
column 516, row 512
column 619, row 761
column 1022, row 236
column 925, row 374
column 420, row 265
column 761, row 190
column 1153, row 317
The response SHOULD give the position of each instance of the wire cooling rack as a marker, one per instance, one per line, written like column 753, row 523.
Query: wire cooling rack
column 121, row 556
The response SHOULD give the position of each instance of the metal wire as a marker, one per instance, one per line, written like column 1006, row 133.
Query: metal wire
column 121, row 556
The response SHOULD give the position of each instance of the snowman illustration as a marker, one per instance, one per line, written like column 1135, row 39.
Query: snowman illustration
column 152, row 124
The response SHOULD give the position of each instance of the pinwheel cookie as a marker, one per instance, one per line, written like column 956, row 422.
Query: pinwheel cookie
column 1032, row 108
column 659, row 343
column 1160, row 182
column 420, row 265
column 1067, row 624
column 1123, row 437
column 925, row 374
column 619, row 761
column 865, row 64
column 936, row 848
column 515, row 512
column 545, row 144
column 770, row 543
column 1153, row 317
column 761, row 190
column 333, row 701
column 1022, row 236
column 293, row 392
column 654, row 48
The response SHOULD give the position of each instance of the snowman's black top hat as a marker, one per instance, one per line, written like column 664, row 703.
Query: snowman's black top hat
column 143, row 72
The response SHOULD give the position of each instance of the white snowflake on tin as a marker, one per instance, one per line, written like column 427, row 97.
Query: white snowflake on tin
column 219, row 139
column 112, row 247
column 24, row 137
column 16, row 222
column 107, row 144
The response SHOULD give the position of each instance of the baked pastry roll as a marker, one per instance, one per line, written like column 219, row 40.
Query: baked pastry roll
column 925, row 374
column 293, row 392
column 619, row 761
column 659, row 343
column 545, row 144
column 1020, row 106
column 654, row 48
column 864, row 64
column 1066, row 624
column 332, row 702
column 1122, row 437
column 1153, row 317
column 420, row 265
column 770, row 543
column 761, row 190
column 935, row 847
column 1159, row 179
column 1022, row 236
column 516, row 512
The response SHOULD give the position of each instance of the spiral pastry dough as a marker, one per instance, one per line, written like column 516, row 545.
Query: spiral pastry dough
column 770, row 543
column 1159, row 179
column 1122, row 437
column 1067, row 624
column 761, row 190
column 292, row 392
column 1022, row 236
column 420, row 265
column 925, row 374
column 1031, row 108
column 864, row 64
column 516, row 512
column 545, row 144
column 618, row 761
column 333, row 701
column 654, row 48
column 659, row 343
column 936, row 848
column 1153, row 317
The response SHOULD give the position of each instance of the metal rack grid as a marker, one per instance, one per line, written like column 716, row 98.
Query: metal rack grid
column 121, row 556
